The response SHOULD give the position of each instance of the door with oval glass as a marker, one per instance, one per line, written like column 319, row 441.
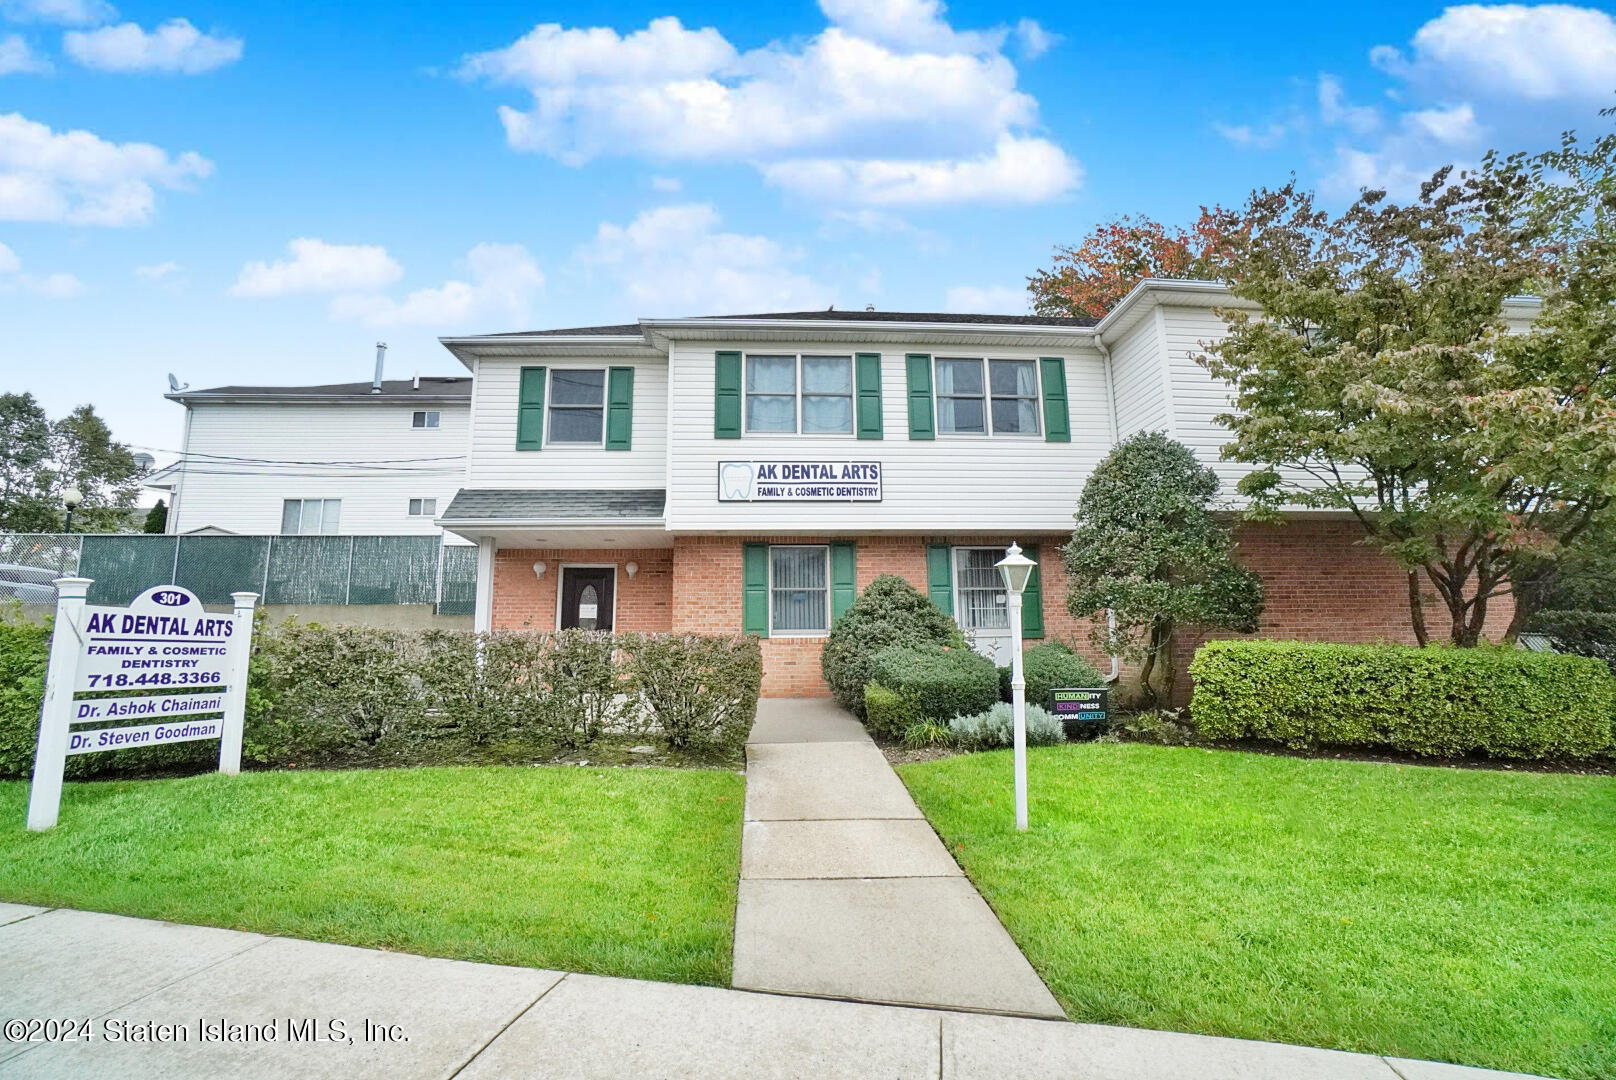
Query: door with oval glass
column 587, row 597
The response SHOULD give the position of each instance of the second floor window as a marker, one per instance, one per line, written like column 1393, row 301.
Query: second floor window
column 1000, row 400
column 810, row 395
column 310, row 517
column 423, row 418
column 423, row 508
column 577, row 406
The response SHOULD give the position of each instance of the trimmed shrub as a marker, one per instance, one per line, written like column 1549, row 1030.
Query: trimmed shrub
column 1054, row 664
column 1434, row 701
column 700, row 693
column 996, row 726
column 890, row 612
column 1581, row 633
column 887, row 713
column 588, row 694
column 943, row 682
column 24, row 650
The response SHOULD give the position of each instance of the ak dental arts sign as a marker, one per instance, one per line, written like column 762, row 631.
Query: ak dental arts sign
column 799, row 481
column 177, row 673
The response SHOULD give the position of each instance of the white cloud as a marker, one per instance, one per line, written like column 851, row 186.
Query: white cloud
column 175, row 47
column 649, row 260
column 501, row 279
column 1539, row 52
column 1019, row 170
column 58, row 286
column 318, row 267
column 60, row 12
column 1452, row 125
column 78, row 178
column 157, row 271
column 16, row 58
column 1336, row 111
column 888, row 85
column 1035, row 40
column 991, row 300
column 666, row 184
column 1264, row 138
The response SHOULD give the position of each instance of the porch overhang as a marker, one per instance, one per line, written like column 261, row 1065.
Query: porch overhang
column 559, row 517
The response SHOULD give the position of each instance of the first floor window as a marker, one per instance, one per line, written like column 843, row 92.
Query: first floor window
column 423, row 418
column 577, row 406
column 310, row 517
column 979, row 590
column 799, row 592
column 423, row 507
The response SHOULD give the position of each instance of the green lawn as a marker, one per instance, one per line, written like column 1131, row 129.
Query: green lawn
column 1459, row 915
column 610, row 871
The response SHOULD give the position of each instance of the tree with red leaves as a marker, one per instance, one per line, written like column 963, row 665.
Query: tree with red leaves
column 1089, row 279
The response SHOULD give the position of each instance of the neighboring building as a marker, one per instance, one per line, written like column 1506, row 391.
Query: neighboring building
column 754, row 472
column 347, row 458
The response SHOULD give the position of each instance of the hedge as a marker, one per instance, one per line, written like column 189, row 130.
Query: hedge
column 366, row 696
column 1436, row 701
column 1047, row 666
column 889, row 612
column 942, row 681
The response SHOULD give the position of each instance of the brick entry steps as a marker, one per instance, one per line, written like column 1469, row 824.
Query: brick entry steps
column 846, row 892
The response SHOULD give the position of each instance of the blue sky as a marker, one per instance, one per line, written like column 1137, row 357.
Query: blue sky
column 259, row 193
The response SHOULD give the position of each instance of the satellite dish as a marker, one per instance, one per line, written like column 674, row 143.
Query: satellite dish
column 145, row 461
column 174, row 385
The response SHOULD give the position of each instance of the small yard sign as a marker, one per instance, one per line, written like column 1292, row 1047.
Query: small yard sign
column 173, row 662
column 1081, row 711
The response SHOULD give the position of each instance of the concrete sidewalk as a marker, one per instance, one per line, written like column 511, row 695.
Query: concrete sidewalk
column 846, row 892
column 162, row 988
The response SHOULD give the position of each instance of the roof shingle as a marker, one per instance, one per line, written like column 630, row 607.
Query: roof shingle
column 546, row 506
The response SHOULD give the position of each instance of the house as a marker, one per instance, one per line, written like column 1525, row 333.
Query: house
column 370, row 458
column 754, row 472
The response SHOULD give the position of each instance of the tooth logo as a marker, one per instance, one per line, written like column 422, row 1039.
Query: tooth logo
column 735, row 480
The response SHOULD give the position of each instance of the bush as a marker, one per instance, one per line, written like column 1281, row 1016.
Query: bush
column 700, row 693
column 1434, row 701
column 1054, row 664
column 943, row 682
column 927, row 734
column 996, row 726
column 24, row 650
column 1581, row 633
column 887, row 713
column 890, row 612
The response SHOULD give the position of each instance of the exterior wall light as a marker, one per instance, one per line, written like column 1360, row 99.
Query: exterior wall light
column 631, row 568
column 539, row 568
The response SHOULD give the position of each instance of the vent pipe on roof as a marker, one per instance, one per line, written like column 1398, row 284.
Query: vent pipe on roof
column 381, row 357
column 415, row 384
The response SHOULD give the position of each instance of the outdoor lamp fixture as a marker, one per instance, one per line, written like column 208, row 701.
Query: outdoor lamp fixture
column 72, row 498
column 539, row 568
column 631, row 568
column 1016, row 569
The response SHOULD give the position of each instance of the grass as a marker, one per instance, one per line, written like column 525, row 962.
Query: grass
column 1459, row 915
column 609, row 871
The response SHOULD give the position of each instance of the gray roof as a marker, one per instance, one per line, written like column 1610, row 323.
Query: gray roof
column 555, row 506
column 432, row 386
column 833, row 315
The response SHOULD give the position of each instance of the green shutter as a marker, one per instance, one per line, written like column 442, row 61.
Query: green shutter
column 843, row 579
column 755, row 589
column 620, row 408
column 530, row 409
column 940, row 576
column 1057, row 422
column 867, row 380
column 921, row 425
column 1032, row 600
column 727, row 395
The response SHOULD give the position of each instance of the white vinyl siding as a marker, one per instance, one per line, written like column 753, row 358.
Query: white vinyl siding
column 799, row 589
column 1138, row 383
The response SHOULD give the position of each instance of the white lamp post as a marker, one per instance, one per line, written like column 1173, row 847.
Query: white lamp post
column 1016, row 569
column 71, row 498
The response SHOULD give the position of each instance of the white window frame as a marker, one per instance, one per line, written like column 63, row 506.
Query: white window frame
column 956, row 563
column 799, row 633
column 561, row 573
column 987, row 399
column 421, row 508
column 301, row 501
column 550, row 406
column 798, row 393
column 431, row 419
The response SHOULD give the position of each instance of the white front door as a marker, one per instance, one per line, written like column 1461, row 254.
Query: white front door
column 979, row 602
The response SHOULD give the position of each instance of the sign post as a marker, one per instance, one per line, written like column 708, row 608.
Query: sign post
column 184, row 668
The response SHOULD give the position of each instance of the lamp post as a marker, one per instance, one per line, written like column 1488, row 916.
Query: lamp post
column 1016, row 569
column 71, row 498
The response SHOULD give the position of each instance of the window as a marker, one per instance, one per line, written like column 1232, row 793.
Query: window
column 980, row 596
column 423, row 418
column 310, row 517
column 799, row 594
column 824, row 405
column 577, row 406
column 423, row 508
column 1008, row 400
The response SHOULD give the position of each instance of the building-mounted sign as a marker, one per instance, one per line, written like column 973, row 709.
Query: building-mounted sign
column 799, row 481
column 190, row 663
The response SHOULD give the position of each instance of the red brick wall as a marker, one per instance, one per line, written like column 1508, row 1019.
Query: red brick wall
column 524, row 601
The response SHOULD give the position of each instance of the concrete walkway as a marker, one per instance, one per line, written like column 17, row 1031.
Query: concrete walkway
column 846, row 892
column 160, row 987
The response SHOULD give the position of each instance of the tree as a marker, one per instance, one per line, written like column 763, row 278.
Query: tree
column 1088, row 280
column 39, row 460
column 25, row 454
column 1148, row 547
column 156, row 518
column 1381, row 376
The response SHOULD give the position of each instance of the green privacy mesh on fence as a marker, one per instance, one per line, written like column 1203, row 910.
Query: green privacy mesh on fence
column 281, row 569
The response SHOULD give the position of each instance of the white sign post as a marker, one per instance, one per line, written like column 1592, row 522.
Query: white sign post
column 163, row 642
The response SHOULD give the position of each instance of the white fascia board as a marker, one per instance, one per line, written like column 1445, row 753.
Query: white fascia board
column 858, row 333
column 468, row 350
column 1150, row 292
column 190, row 400
column 458, row 524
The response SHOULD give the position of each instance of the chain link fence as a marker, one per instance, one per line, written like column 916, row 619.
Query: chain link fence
column 281, row 569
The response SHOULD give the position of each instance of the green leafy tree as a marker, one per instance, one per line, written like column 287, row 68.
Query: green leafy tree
column 1148, row 547
column 39, row 460
column 1382, row 376
column 25, row 455
column 156, row 518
